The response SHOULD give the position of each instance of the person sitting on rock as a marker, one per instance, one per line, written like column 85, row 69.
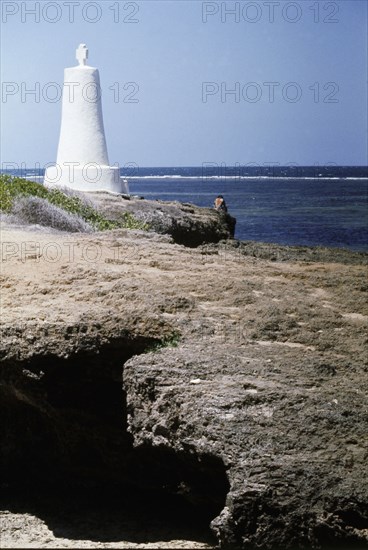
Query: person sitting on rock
column 220, row 204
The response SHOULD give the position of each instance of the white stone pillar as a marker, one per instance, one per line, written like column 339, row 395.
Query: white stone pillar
column 82, row 160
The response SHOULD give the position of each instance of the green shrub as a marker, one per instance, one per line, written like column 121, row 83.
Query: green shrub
column 15, row 187
column 130, row 222
column 12, row 188
column 171, row 341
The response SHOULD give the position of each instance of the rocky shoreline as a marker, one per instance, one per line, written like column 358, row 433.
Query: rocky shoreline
column 212, row 392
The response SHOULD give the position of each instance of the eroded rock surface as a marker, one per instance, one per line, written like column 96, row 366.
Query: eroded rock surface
column 234, row 382
column 292, row 440
column 186, row 223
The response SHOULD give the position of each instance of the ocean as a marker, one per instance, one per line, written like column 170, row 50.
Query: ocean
column 308, row 206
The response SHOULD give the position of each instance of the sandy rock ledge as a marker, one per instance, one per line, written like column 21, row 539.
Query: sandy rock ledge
column 155, row 395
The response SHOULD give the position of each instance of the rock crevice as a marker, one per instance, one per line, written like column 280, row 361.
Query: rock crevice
column 231, row 383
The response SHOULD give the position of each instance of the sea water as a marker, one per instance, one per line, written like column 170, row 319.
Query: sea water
column 324, row 206
column 309, row 206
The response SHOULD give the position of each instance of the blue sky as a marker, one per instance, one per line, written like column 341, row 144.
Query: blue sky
column 182, row 59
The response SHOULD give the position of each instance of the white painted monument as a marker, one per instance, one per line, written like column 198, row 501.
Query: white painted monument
column 82, row 160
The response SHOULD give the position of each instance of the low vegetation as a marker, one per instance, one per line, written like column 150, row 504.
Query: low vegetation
column 34, row 210
column 171, row 341
column 31, row 202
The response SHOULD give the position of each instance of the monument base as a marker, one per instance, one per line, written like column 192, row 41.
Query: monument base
column 91, row 177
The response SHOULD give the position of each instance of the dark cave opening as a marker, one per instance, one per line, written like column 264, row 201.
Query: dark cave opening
column 66, row 447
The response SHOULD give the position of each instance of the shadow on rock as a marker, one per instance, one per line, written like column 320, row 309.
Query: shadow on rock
column 102, row 517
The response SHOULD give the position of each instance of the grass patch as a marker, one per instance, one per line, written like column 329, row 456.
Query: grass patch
column 13, row 188
column 171, row 341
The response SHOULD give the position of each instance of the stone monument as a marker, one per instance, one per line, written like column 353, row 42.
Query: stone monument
column 82, row 160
